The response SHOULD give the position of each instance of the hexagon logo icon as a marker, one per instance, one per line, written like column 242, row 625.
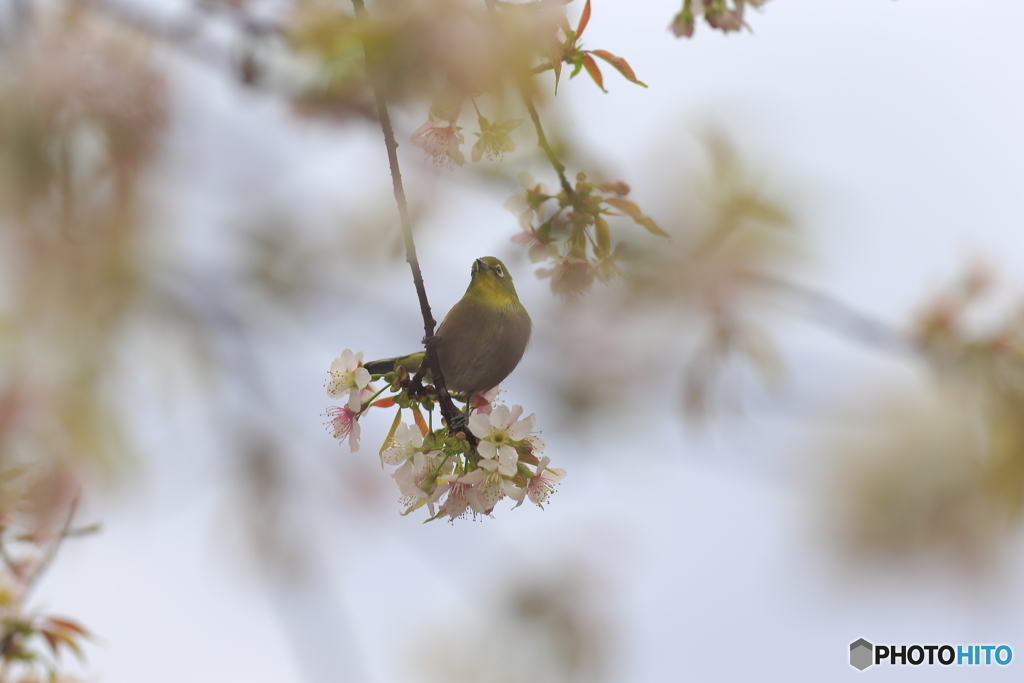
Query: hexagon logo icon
column 860, row 654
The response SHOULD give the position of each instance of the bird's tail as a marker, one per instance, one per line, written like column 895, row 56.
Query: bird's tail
column 386, row 365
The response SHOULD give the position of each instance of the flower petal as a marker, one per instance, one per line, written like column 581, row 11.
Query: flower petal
column 473, row 478
column 480, row 425
column 401, row 434
column 499, row 416
column 353, row 437
column 514, row 492
column 486, row 449
column 393, row 456
column 520, row 430
column 354, row 404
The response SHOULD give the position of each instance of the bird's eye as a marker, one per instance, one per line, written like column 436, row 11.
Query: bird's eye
column 499, row 271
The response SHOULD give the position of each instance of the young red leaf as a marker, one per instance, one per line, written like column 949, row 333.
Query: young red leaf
column 53, row 640
column 385, row 402
column 71, row 644
column 584, row 19
column 68, row 625
column 634, row 212
column 620, row 65
column 595, row 73
column 420, row 422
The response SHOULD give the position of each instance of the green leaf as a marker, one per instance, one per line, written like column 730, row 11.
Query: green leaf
column 556, row 52
column 390, row 437
column 634, row 212
column 620, row 64
column 604, row 237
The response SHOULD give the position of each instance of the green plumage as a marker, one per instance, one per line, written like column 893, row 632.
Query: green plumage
column 483, row 337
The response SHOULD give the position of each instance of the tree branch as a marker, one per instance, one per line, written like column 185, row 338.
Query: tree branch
column 448, row 409
column 542, row 139
column 841, row 318
column 546, row 146
column 51, row 553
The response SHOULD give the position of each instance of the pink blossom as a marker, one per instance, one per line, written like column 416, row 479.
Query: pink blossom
column 440, row 139
column 570, row 276
column 345, row 425
column 482, row 403
column 542, row 484
column 487, row 488
column 349, row 376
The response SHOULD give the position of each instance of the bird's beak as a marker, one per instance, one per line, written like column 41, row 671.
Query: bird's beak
column 480, row 265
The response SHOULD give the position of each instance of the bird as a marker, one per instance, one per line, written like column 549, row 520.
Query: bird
column 483, row 337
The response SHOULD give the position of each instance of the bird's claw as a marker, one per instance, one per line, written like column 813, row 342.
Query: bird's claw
column 431, row 341
column 459, row 423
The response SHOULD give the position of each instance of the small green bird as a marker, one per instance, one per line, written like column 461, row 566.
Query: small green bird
column 483, row 337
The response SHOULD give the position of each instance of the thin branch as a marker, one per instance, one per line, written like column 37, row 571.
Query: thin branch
column 51, row 552
column 542, row 139
column 841, row 318
column 70, row 533
column 11, row 564
column 544, row 145
column 430, row 360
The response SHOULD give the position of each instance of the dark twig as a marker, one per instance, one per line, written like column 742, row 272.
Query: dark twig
column 448, row 409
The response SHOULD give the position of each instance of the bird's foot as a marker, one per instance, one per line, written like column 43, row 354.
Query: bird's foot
column 459, row 423
column 432, row 341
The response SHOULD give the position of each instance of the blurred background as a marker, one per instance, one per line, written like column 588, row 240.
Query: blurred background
column 793, row 425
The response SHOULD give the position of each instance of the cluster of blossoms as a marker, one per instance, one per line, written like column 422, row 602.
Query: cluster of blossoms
column 554, row 44
column 440, row 139
column 569, row 230
column 452, row 475
column 724, row 15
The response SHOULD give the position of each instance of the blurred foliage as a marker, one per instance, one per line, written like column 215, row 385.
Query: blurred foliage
column 543, row 625
column 688, row 308
column 418, row 48
column 570, row 228
column 31, row 644
column 913, row 487
column 723, row 15
column 938, row 477
column 80, row 112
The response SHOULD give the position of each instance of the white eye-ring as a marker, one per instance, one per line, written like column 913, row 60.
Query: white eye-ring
column 499, row 271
